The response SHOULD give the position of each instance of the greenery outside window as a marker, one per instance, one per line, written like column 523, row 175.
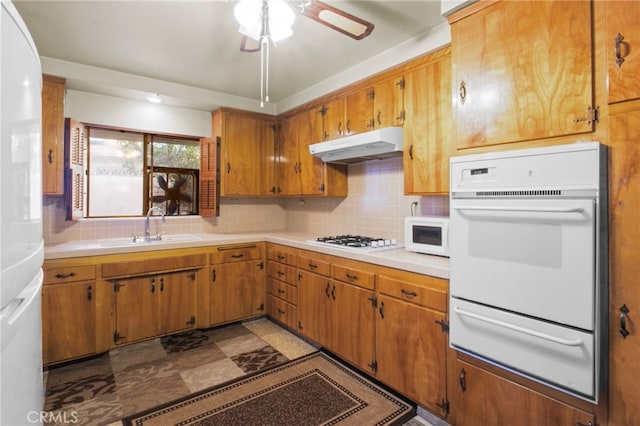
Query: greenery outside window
column 130, row 172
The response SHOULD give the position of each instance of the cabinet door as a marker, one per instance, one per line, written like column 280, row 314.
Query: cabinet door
column 247, row 155
column 209, row 176
column 359, row 111
column 313, row 306
column 238, row 290
column 68, row 321
column 288, row 164
column 388, row 102
column 333, row 119
column 411, row 351
column 352, row 320
column 311, row 170
column 427, row 129
column 177, row 301
column 624, row 234
column 136, row 309
column 52, row 135
column 623, row 47
column 522, row 73
column 490, row 400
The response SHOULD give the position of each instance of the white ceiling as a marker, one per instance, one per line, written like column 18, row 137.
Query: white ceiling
column 129, row 48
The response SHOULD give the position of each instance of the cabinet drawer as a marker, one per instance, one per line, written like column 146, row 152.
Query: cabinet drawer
column 282, row 272
column 153, row 266
column 282, row 254
column 314, row 265
column 283, row 291
column 354, row 276
column 413, row 292
column 69, row 274
column 282, row 312
column 236, row 253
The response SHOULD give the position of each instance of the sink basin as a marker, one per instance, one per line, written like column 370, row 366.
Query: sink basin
column 166, row 239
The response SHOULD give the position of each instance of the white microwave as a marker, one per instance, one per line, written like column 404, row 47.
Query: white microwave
column 427, row 234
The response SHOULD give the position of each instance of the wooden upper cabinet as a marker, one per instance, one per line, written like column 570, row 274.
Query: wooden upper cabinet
column 333, row 119
column 623, row 50
column 52, row 135
column 522, row 71
column 247, row 148
column 388, row 102
column 427, row 130
column 288, row 161
column 359, row 111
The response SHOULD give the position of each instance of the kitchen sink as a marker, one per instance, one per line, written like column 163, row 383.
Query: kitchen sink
column 166, row 239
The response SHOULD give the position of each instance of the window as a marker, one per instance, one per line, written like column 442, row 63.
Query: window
column 130, row 172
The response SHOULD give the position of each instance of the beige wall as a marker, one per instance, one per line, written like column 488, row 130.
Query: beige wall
column 375, row 207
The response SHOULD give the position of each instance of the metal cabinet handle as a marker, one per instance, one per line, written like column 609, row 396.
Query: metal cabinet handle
column 381, row 310
column 333, row 293
column 378, row 117
column 50, row 156
column 409, row 294
column 340, row 128
column 237, row 256
column 617, row 42
column 326, row 290
column 411, row 151
column 351, row 277
column 153, row 285
column 89, row 293
column 161, row 284
column 623, row 321
column 462, row 379
column 462, row 91
column 65, row 276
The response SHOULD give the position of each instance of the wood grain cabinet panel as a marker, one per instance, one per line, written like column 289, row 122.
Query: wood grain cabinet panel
column 53, row 135
column 521, row 72
column 623, row 50
column 68, row 321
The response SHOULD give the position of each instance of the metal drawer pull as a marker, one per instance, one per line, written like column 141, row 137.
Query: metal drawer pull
column 65, row 276
column 462, row 92
column 522, row 209
column 351, row 277
column 540, row 335
column 623, row 321
column 409, row 294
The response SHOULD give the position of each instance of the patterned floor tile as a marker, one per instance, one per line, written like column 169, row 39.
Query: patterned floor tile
column 205, row 376
column 231, row 331
column 100, row 365
column 260, row 359
column 124, row 357
column 186, row 341
column 78, row 390
column 186, row 360
column 98, row 411
column 238, row 345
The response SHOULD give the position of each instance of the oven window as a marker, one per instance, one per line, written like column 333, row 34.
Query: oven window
column 430, row 235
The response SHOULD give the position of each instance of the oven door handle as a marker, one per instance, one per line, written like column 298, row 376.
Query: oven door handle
column 545, row 336
column 522, row 209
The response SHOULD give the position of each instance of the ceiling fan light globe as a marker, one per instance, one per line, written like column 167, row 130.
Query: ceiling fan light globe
column 281, row 19
column 248, row 13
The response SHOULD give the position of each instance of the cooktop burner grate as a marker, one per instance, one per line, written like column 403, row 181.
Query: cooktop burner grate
column 358, row 242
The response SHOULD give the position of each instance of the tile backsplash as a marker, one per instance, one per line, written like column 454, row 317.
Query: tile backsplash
column 376, row 206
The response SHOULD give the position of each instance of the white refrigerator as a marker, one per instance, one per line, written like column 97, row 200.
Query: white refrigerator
column 21, row 244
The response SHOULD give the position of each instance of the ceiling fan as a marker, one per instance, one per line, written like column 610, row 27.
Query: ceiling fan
column 327, row 15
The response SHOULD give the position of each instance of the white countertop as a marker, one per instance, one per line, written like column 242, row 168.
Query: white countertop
column 399, row 258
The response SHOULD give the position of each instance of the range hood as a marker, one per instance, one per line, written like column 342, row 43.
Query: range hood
column 377, row 144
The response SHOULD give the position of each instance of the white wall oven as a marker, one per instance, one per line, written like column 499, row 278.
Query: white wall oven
column 528, row 249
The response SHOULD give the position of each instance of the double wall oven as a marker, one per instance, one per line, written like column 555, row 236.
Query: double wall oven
column 528, row 247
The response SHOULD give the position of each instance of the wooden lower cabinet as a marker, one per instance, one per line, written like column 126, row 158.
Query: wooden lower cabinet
column 154, row 305
column 314, row 309
column 68, row 321
column 237, row 291
column 484, row 398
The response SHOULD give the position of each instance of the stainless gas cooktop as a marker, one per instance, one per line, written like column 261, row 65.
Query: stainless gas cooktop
column 357, row 243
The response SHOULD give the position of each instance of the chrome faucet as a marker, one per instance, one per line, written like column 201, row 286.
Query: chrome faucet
column 146, row 225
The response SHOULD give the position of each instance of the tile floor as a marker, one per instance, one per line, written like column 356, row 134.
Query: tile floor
column 132, row 378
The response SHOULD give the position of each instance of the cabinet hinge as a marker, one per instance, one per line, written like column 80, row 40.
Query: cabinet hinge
column 192, row 276
column 592, row 116
column 321, row 188
column 444, row 406
column 400, row 83
column 117, row 337
column 444, row 325
column 300, row 327
column 261, row 307
column 260, row 265
column 323, row 111
column 374, row 302
column 116, row 286
column 192, row 320
column 371, row 94
column 374, row 366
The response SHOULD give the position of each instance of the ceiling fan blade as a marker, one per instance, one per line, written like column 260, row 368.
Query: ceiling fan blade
column 338, row 20
column 245, row 48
